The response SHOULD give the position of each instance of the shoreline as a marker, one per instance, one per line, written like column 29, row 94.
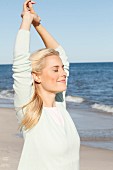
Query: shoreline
column 11, row 146
column 94, row 127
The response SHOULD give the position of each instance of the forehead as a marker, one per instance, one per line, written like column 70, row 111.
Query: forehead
column 53, row 60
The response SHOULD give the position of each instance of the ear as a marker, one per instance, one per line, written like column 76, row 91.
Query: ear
column 37, row 77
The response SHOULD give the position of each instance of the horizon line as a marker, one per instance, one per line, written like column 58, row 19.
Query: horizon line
column 74, row 62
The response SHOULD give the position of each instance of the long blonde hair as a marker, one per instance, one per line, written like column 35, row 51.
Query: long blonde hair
column 33, row 109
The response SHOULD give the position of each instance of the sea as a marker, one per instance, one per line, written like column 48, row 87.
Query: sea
column 89, row 100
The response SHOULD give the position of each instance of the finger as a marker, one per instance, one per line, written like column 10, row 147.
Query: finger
column 33, row 2
column 25, row 6
column 31, row 7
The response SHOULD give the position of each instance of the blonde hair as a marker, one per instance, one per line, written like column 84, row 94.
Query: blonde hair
column 33, row 109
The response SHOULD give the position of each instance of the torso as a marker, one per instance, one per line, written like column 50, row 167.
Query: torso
column 55, row 144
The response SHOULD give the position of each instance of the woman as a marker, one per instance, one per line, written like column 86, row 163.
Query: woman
column 51, row 141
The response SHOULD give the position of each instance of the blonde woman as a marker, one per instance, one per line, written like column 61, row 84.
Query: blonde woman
column 51, row 141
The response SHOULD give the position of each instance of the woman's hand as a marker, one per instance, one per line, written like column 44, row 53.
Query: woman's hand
column 26, row 13
column 36, row 18
column 29, row 12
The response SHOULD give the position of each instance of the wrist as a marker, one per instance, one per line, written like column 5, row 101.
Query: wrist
column 26, row 19
column 36, row 21
column 26, row 24
column 36, row 24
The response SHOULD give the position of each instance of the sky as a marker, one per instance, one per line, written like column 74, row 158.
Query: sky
column 83, row 27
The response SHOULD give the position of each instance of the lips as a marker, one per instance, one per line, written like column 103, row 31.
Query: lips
column 62, row 81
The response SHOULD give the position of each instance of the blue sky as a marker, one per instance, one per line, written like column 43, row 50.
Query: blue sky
column 83, row 27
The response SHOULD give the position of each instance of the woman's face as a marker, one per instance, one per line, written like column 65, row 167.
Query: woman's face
column 53, row 76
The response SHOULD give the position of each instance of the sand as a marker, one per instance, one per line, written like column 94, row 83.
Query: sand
column 11, row 146
column 95, row 159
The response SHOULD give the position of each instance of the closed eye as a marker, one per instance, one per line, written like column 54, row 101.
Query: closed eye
column 57, row 67
column 55, row 70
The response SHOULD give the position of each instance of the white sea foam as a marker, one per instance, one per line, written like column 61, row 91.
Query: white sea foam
column 75, row 99
column 7, row 94
column 105, row 108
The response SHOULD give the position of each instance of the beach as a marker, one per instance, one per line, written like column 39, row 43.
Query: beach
column 11, row 144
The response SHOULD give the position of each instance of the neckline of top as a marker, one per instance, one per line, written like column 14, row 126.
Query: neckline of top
column 49, row 107
column 54, row 107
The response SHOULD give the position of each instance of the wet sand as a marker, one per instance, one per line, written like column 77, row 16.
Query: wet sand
column 11, row 147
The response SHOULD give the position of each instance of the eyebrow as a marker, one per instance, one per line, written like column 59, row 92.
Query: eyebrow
column 58, row 66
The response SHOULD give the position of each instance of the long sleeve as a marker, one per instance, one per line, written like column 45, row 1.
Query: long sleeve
column 22, row 70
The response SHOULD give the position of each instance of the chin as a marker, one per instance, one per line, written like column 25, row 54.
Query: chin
column 61, row 90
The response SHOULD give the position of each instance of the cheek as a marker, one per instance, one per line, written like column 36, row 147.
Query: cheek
column 53, row 79
column 50, row 78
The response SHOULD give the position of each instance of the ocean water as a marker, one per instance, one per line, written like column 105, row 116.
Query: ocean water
column 93, row 84
column 90, row 89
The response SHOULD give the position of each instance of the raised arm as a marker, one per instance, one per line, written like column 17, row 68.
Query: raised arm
column 21, row 63
column 48, row 39
column 50, row 42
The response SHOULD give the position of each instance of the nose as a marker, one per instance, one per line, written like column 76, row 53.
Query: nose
column 63, row 73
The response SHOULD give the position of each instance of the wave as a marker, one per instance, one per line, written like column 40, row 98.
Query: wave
column 103, row 107
column 75, row 99
column 7, row 94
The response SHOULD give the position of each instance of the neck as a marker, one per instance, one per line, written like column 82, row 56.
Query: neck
column 48, row 98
